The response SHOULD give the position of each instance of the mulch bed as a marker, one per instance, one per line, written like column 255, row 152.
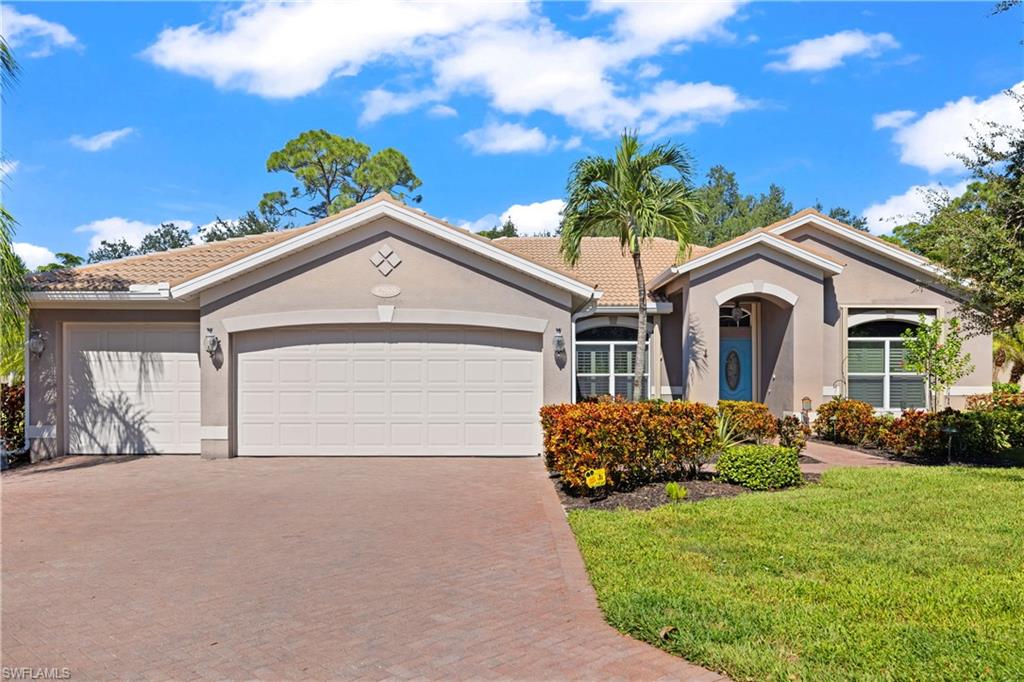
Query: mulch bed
column 653, row 494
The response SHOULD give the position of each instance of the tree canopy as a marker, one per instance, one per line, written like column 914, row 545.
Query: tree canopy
column 167, row 236
column 247, row 224
column 978, row 237
column 64, row 260
column 335, row 172
column 506, row 229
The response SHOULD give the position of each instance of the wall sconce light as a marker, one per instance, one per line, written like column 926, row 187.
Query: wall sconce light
column 805, row 404
column 559, row 341
column 36, row 342
column 211, row 342
column 737, row 312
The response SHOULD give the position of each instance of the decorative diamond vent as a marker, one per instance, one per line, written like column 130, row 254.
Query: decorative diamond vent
column 385, row 260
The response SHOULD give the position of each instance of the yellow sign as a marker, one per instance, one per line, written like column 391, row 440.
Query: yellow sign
column 595, row 478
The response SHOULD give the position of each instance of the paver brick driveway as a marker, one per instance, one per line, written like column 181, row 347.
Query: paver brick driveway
column 176, row 567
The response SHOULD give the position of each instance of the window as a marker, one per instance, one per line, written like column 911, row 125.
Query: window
column 605, row 361
column 733, row 315
column 876, row 368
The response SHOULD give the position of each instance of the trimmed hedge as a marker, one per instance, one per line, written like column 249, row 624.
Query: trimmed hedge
column 855, row 422
column 760, row 467
column 635, row 442
column 972, row 436
column 996, row 401
column 751, row 421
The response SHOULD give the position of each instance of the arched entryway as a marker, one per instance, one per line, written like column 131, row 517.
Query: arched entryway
column 755, row 344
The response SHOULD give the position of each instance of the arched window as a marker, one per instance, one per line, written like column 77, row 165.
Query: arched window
column 605, row 362
column 876, row 370
column 733, row 316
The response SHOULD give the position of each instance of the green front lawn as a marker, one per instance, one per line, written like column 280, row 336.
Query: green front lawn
column 907, row 573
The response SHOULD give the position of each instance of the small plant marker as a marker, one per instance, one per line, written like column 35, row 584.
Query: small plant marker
column 595, row 478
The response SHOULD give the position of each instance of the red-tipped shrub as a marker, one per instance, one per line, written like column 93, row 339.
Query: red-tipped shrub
column 855, row 422
column 751, row 421
column 635, row 442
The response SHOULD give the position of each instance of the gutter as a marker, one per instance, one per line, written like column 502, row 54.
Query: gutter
column 161, row 291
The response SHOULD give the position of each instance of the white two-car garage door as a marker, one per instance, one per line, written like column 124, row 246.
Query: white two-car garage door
column 132, row 388
column 388, row 390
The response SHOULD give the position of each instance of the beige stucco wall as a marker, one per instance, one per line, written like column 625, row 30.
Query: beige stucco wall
column 45, row 373
column 338, row 275
column 871, row 280
column 803, row 327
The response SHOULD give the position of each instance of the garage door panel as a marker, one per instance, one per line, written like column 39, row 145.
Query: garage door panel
column 443, row 371
column 333, row 403
column 295, row 403
column 392, row 390
column 132, row 388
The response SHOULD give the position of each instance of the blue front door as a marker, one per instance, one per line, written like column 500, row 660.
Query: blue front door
column 735, row 374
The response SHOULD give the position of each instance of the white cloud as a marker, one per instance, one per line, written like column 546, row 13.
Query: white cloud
column 33, row 255
column 284, row 50
column 650, row 25
column 648, row 70
column 535, row 218
column 540, row 217
column 100, row 141
column 672, row 107
column 933, row 140
column 574, row 142
column 7, row 167
column 906, row 207
column 378, row 103
column 442, row 111
column 37, row 35
column 485, row 222
column 893, row 119
column 828, row 52
column 113, row 229
column 504, row 138
column 507, row 52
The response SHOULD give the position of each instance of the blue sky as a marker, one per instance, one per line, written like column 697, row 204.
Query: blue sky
column 129, row 114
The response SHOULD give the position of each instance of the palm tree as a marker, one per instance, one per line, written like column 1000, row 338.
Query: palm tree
column 1009, row 349
column 630, row 197
column 13, row 301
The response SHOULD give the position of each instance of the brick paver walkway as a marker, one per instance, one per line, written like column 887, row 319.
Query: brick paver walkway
column 832, row 456
column 176, row 567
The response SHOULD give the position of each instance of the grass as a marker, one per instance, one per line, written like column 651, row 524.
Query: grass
column 910, row 573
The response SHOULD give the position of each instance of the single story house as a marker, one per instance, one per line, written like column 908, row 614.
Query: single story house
column 384, row 331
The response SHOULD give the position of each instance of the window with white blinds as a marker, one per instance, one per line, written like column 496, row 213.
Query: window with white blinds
column 877, row 374
column 606, row 367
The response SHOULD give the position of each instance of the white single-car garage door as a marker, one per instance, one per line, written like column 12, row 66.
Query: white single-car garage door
column 132, row 388
column 388, row 390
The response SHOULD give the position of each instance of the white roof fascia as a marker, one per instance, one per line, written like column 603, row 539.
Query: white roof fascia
column 364, row 215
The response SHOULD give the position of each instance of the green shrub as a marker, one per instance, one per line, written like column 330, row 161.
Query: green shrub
column 793, row 433
column 1013, row 389
column 635, row 442
column 751, row 421
column 760, row 467
column 855, row 422
column 998, row 400
column 969, row 436
column 675, row 491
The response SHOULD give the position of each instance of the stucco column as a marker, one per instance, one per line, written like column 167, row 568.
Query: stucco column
column 808, row 340
column 215, row 390
column 700, row 341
